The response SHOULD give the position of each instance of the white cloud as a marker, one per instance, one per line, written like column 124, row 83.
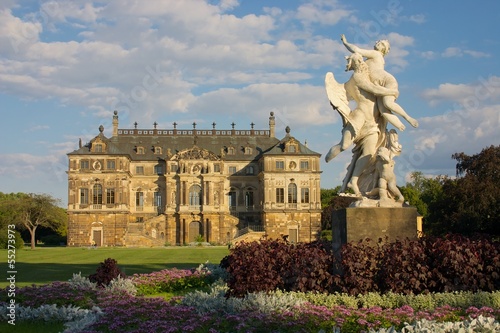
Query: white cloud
column 477, row 54
column 470, row 95
column 322, row 12
column 418, row 18
column 16, row 34
column 428, row 54
column 452, row 52
column 458, row 52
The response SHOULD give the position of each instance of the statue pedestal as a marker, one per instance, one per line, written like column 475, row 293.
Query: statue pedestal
column 355, row 223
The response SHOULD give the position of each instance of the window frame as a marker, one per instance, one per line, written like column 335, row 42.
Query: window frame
column 110, row 196
column 280, row 195
column 292, row 193
column 84, row 194
column 304, row 195
column 110, row 165
column 97, row 194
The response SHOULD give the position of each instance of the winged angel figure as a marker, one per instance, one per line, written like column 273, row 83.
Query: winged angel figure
column 364, row 126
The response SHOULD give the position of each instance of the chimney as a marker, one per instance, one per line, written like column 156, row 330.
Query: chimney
column 115, row 123
column 272, row 124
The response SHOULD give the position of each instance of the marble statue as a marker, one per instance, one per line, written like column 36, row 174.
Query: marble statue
column 376, row 63
column 374, row 91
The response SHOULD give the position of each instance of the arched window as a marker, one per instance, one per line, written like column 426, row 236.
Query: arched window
column 292, row 193
column 195, row 196
column 97, row 194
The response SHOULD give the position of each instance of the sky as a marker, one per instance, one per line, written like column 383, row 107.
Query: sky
column 65, row 66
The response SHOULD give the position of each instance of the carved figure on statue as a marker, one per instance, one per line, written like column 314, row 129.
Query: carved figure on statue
column 374, row 91
column 376, row 63
column 385, row 178
column 361, row 125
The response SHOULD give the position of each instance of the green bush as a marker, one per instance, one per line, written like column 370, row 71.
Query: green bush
column 4, row 239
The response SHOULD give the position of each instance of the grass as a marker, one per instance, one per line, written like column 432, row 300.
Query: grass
column 44, row 265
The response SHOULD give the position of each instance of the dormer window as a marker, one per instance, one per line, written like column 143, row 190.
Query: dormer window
column 157, row 150
column 98, row 148
column 230, row 151
column 140, row 150
column 248, row 150
column 292, row 148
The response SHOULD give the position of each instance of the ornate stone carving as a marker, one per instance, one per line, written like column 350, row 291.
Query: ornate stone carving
column 195, row 153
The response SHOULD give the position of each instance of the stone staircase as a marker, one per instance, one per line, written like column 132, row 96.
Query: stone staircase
column 137, row 234
column 253, row 236
column 249, row 234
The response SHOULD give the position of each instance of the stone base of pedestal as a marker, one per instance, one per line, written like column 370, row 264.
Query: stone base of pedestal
column 354, row 224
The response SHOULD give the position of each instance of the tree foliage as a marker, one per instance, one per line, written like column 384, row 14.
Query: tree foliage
column 471, row 203
column 422, row 191
column 466, row 205
column 32, row 211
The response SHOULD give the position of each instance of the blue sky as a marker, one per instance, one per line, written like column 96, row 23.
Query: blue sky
column 66, row 65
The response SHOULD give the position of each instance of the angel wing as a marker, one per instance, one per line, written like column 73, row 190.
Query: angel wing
column 338, row 97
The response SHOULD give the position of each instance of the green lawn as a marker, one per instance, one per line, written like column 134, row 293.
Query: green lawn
column 46, row 264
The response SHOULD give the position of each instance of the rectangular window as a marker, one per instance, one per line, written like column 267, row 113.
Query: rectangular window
column 232, row 199
column 232, row 170
column 84, row 165
column 98, row 148
column 249, row 199
column 110, row 165
column 280, row 165
column 249, row 170
column 159, row 169
column 139, row 170
column 173, row 167
column 304, row 165
column 97, row 194
column 157, row 199
column 292, row 194
column 139, row 199
column 216, row 167
column 110, row 196
column 84, row 196
column 280, row 195
column 304, row 195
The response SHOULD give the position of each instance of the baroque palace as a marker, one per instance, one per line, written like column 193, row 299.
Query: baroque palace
column 154, row 187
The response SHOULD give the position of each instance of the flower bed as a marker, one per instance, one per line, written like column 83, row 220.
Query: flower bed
column 116, row 308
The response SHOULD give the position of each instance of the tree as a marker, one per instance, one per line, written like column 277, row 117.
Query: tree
column 330, row 201
column 422, row 192
column 32, row 211
column 471, row 203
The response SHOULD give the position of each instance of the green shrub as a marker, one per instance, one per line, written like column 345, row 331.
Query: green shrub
column 4, row 239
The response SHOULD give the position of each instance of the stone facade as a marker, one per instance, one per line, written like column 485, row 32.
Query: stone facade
column 151, row 187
